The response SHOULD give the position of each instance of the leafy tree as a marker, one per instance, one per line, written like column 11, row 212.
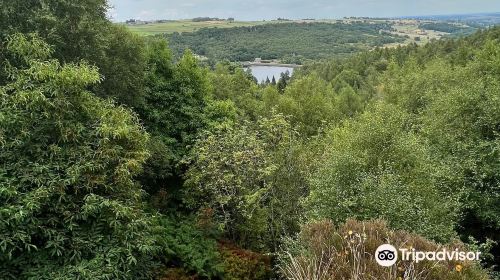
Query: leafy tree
column 80, row 30
column 456, row 111
column 174, row 111
column 348, row 102
column 469, row 143
column 69, row 206
column 234, row 84
column 251, row 178
column 283, row 81
column 122, row 67
column 374, row 167
column 310, row 104
column 75, row 29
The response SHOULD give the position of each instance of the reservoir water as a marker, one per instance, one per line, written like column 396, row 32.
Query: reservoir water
column 261, row 73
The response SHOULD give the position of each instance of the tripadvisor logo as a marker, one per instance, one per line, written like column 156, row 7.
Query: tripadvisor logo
column 387, row 255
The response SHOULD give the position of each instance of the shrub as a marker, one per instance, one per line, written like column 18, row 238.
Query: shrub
column 373, row 167
column 189, row 248
column 69, row 207
column 175, row 273
column 322, row 251
column 240, row 264
column 249, row 176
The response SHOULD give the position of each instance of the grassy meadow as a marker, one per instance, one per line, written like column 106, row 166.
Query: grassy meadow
column 187, row 26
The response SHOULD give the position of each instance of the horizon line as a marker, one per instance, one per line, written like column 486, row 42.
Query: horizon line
column 334, row 18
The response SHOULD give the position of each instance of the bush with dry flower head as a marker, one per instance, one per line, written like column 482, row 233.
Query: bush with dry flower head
column 323, row 251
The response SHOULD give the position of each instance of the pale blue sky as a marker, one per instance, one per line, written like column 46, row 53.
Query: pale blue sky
column 294, row 9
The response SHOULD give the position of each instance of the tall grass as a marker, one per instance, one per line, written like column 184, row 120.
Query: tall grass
column 325, row 252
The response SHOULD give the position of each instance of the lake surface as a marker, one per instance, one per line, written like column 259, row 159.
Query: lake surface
column 261, row 73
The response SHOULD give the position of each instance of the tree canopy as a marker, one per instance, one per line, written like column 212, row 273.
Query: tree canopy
column 126, row 157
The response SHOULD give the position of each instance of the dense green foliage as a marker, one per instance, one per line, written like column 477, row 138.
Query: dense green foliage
column 176, row 98
column 454, row 113
column 123, row 160
column 374, row 167
column 69, row 205
column 289, row 42
column 80, row 30
column 250, row 176
column 191, row 248
column 447, row 27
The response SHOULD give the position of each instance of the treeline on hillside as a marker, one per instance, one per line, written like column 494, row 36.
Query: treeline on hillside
column 164, row 169
column 200, row 19
column 454, row 29
column 289, row 42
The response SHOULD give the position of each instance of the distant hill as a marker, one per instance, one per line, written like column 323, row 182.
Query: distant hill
column 482, row 19
column 289, row 42
column 190, row 25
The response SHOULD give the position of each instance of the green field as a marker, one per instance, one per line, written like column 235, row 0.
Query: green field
column 187, row 26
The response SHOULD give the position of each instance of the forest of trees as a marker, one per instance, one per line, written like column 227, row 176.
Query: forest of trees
column 119, row 161
column 454, row 29
column 289, row 42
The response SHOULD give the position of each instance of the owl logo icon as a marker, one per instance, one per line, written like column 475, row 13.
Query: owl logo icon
column 386, row 255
